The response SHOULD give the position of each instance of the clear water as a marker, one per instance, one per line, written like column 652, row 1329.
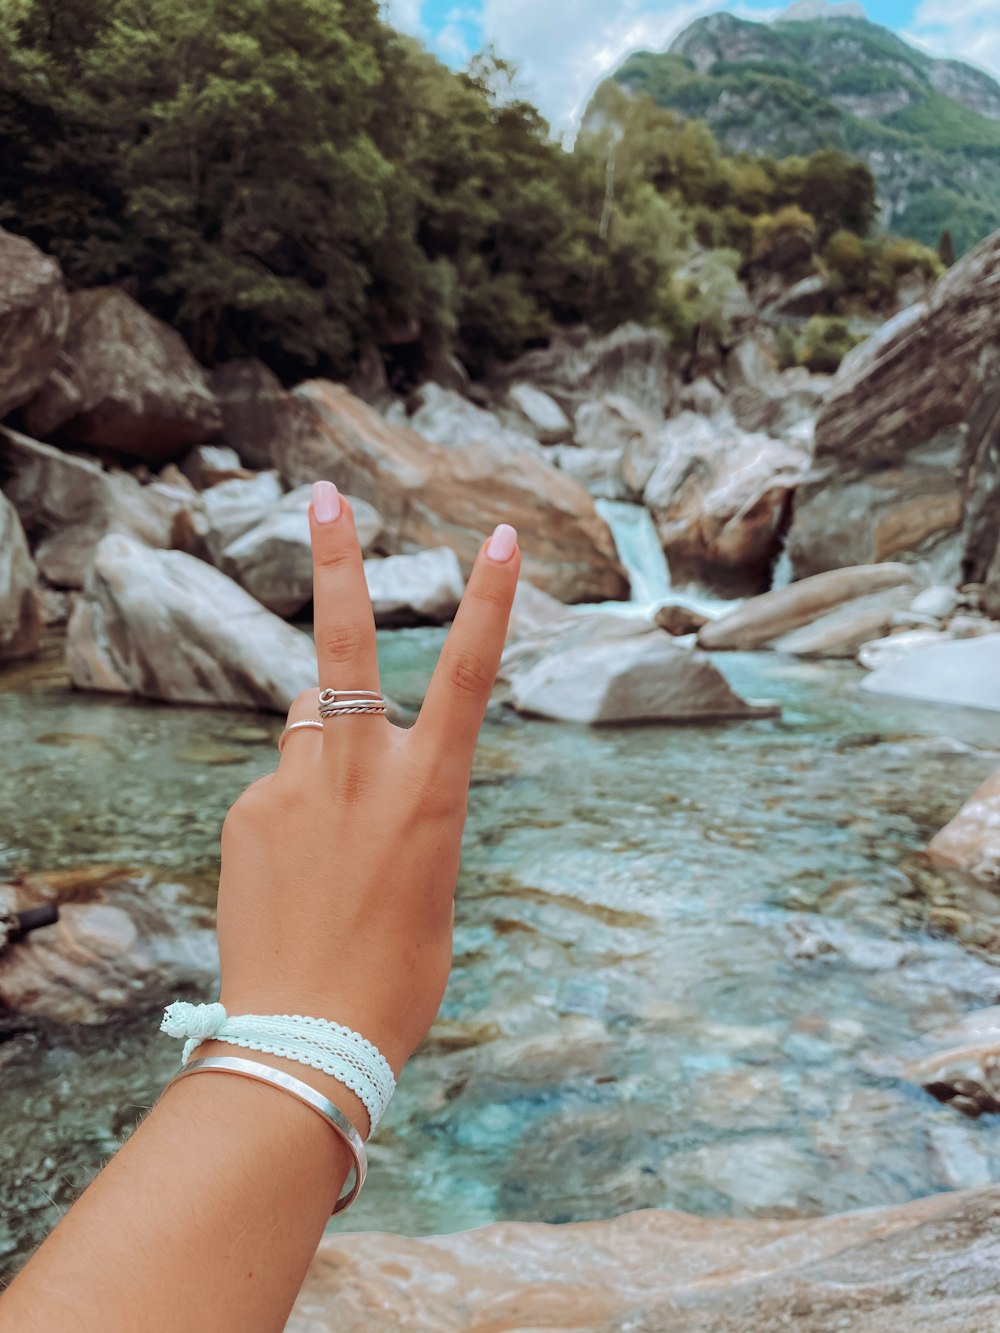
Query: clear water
column 628, row 1024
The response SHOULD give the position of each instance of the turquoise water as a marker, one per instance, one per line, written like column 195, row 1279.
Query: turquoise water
column 633, row 1019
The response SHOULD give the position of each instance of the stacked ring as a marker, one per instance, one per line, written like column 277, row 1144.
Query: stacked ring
column 337, row 703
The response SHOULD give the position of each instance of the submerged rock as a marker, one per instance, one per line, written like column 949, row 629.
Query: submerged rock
column 429, row 495
column 21, row 619
column 963, row 671
column 928, row 1264
column 971, row 841
column 763, row 619
column 34, row 317
column 163, row 625
column 130, row 385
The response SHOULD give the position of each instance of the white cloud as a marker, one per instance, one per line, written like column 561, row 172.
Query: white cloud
column 405, row 15
column 967, row 29
column 563, row 50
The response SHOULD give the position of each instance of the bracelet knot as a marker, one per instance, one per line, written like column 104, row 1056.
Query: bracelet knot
column 199, row 1021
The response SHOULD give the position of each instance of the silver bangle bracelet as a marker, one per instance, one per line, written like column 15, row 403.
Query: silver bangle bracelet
column 335, row 1118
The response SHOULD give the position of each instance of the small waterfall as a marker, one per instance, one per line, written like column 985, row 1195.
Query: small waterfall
column 642, row 555
column 640, row 552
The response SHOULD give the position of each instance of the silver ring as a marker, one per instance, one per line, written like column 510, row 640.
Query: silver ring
column 297, row 726
column 337, row 703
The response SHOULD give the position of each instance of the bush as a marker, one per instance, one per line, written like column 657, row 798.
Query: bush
column 825, row 344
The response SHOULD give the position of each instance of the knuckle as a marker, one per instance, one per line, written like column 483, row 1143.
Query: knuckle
column 341, row 643
column 469, row 674
column 334, row 557
column 489, row 594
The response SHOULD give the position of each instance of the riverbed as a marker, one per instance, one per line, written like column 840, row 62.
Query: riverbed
column 680, row 952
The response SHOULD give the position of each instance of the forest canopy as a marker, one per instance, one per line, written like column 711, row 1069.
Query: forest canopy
column 295, row 180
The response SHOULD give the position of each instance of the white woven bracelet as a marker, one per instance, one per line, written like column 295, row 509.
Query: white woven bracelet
column 328, row 1047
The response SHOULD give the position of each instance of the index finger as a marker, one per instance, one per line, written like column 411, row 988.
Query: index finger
column 463, row 678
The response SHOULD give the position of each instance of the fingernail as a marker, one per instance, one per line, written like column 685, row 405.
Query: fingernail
column 502, row 544
column 326, row 502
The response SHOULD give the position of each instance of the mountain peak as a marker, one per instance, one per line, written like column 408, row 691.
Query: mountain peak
column 802, row 11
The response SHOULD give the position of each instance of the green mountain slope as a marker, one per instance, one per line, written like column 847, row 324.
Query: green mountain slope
column 929, row 129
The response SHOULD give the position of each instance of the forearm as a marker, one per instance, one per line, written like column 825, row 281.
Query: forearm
column 206, row 1220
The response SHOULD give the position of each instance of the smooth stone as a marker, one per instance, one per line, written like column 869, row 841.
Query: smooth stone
column 971, row 841
column 895, row 647
column 34, row 317
column 420, row 589
column 643, row 678
column 208, row 464
column 761, row 620
column 224, row 513
column 845, row 629
column 680, row 620
column 163, row 625
column 964, row 671
column 449, row 419
column 940, row 601
column 133, row 385
column 538, row 414
column 533, row 610
column 21, row 618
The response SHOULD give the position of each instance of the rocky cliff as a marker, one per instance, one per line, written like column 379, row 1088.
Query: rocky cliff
column 929, row 129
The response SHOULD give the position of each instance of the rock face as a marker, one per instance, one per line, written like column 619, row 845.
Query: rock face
column 128, row 384
column 596, row 673
column 762, row 399
column 34, row 317
column 907, row 462
column 273, row 559
column 719, row 498
column 432, row 496
column 972, row 840
column 631, row 361
column 415, row 589
column 67, row 503
column 763, row 619
column 162, row 625
column 928, row 1264
column 965, row 671
column 21, row 619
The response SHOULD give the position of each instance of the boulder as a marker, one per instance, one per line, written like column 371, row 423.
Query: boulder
column 533, row 610
column 763, row 619
column 260, row 420
column 844, row 630
column 597, row 470
column 760, row 398
column 963, row 671
column 120, row 944
column 68, row 502
column 878, row 652
column 208, row 464
column 680, row 620
column 129, row 384
column 34, row 317
column 907, row 454
column 702, row 396
column 537, row 415
column 634, row 362
column 929, row 1264
column 449, row 419
column 631, row 440
column 21, row 618
column 719, row 498
column 971, row 841
column 632, row 677
column 415, row 589
column 224, row 513
column 273, row 559
column 432, row 496
column 163, row 625
column 940, row 601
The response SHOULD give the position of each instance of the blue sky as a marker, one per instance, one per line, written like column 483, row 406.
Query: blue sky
column 563, row 47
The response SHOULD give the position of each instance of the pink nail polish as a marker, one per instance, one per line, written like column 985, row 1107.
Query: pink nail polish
column 502, row 544
column 326, row 502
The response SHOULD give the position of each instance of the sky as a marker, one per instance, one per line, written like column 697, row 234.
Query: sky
column 564, row 47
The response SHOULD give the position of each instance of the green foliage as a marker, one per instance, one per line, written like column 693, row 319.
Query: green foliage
column 824, row 345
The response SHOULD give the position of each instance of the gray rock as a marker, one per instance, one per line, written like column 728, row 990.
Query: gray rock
column 224, row 513
column 533, row 610
column 971, row 841
column 940, row 602
column 964, row 671
column 67, row 503
column 449, row 419
column 163, row 625
column 415, row 589
column 761, row 620
column 208, row 464
column 34, row 317
column 262, row 423
column 130, row 384
column 626, row 435
column 537, row 414
column 702, row 396
column 21, row 619
column 596, row 469
column 273, row 559
column 842, row 631
column 880, row 652
column 644, row 677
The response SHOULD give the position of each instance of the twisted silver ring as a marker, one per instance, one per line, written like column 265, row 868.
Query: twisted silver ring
column 334, row 703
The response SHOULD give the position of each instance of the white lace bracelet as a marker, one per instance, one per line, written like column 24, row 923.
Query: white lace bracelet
column 328, row 1047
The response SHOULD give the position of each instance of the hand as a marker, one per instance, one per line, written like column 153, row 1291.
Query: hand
column 336, row 898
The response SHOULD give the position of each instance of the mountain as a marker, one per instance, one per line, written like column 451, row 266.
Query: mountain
column 929, row 129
